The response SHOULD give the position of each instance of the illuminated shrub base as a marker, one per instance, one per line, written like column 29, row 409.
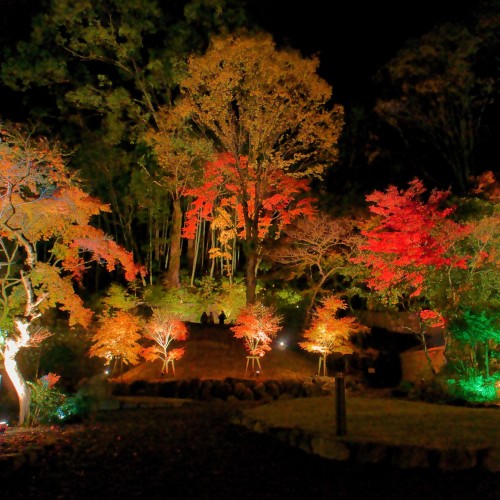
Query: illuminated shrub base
column 476, row 388
column 49, row 405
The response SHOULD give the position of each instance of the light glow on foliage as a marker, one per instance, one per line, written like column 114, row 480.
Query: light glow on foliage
column 225, row 200
column 164, row 328
column 257, row 325
column 476, row 388
column 118, row 338
column 329, row 334
column 408, row 237
column 42, row 203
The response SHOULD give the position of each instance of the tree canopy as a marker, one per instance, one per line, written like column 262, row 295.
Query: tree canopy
column 270, row 117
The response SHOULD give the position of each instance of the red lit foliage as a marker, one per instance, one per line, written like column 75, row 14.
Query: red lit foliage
column 258, row 325
column 164, row 328
column 408, row 238
column 238, row 188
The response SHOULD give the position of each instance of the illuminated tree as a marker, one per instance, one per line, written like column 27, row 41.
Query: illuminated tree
column 42, row 208
column 319, row 248
column 257, row 325
column 329, row 334
column 408, row 242
column 164, row 328
column 117, row 338
column 218, row 199
column 407, row 238
column 271, row 120
column 101, row 69
column 179, row 154
column 419, row 258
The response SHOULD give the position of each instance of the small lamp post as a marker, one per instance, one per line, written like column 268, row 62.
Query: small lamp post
column 340, row 408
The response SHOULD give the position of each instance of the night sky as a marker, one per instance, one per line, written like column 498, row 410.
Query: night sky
column 352, row 37
column 357, row 36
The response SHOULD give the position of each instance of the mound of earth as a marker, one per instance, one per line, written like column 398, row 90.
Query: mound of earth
column 211, row 352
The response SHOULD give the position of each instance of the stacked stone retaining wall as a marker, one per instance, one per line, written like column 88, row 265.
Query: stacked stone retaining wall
column 228, row 389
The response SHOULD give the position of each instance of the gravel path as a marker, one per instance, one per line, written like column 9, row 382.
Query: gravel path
column 194, row 452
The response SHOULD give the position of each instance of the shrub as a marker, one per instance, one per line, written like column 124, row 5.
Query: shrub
column 45, row 400
column 476, row 388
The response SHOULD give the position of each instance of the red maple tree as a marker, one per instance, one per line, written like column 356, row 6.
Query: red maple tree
column 408, row 237
column 247, row 204
column 258, row 325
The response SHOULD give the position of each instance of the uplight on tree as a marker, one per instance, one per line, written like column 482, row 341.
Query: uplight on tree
column 257, row 325
column 329, row 334
column 165, row 329
column 41, row 204
column 273, row 123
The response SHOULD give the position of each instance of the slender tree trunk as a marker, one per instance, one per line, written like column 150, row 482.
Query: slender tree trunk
column 487, row 358
column 251, row 279
column 190, row 253
column 212, row 263
column 196, row 248
column 12, row 347
column 427, row 355
column 174, row 264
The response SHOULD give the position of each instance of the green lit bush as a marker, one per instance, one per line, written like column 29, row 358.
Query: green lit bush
column 475, row 388
column 48, row 404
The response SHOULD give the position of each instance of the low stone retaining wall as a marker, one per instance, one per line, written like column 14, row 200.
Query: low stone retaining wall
column 228, row 389
column 404, row 457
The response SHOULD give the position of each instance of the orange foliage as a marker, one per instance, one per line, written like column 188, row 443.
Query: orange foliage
column 329, row 334
column 41, row 200
column 118, row 338
column 258, row 325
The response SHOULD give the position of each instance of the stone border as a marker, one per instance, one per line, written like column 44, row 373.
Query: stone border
column 404, row 457
column 229, row 389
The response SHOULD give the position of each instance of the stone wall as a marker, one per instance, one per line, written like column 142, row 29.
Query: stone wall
column 228, row 389
column 415, row 366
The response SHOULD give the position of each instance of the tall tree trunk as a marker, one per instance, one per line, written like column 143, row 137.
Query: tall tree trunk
column 251, row 279
column 174, row 264
column 12, row 347
column 190, row 253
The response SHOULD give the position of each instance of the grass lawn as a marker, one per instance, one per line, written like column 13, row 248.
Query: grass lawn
column 389, row 421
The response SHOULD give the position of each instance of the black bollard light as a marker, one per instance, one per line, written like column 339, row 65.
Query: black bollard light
column 340, row 412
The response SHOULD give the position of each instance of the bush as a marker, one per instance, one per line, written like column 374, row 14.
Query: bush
column 476, row 388
column 48, row 404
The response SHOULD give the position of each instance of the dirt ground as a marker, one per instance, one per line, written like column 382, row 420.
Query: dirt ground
column 196, row 452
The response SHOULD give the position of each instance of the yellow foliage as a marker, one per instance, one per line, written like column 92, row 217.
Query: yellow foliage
column 263, row 103
column 117, row 337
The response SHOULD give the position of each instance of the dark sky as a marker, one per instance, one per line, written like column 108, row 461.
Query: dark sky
column 351, row 37
column 354, row 37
